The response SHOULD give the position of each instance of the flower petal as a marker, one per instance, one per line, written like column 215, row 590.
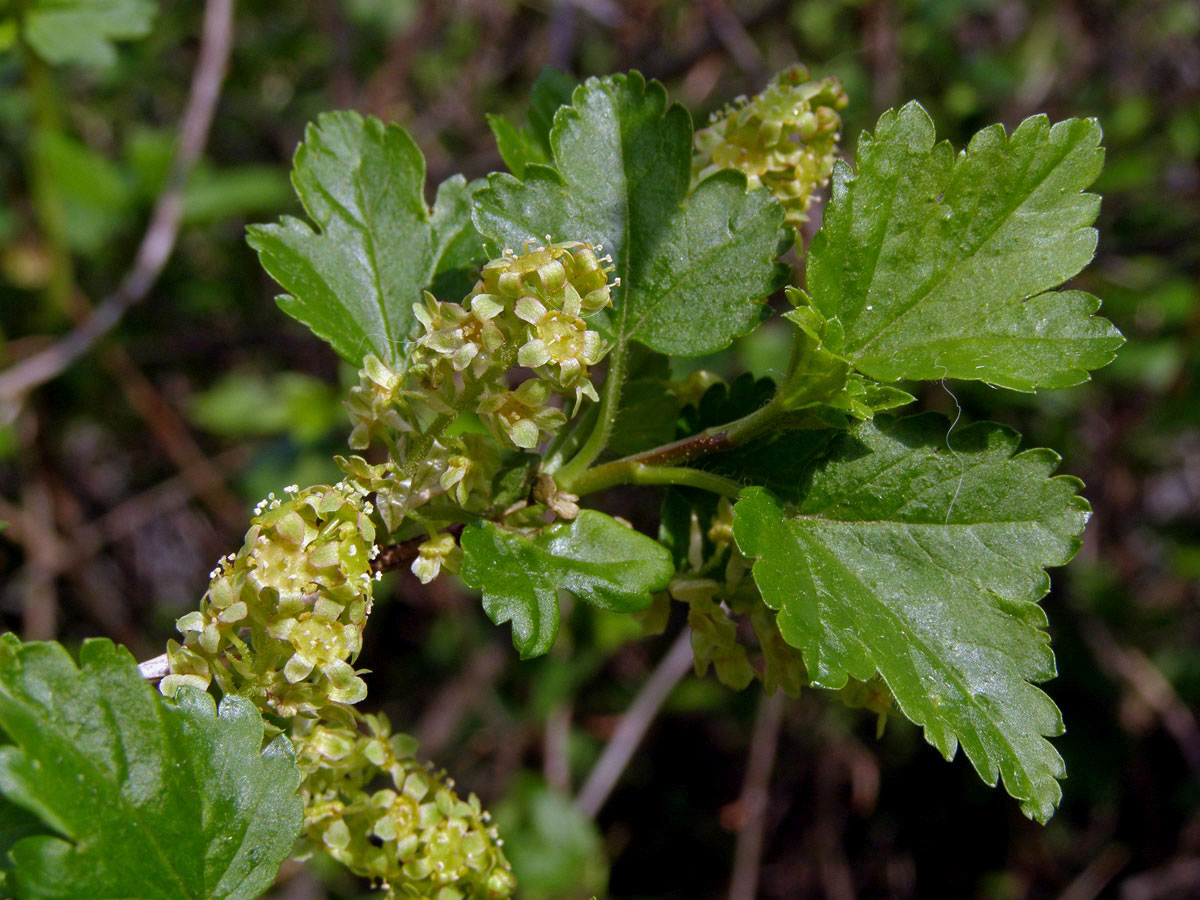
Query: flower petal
column 530, row 309
column 534, row 354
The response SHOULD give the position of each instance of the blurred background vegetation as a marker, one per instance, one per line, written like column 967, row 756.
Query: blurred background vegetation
column 126, row 477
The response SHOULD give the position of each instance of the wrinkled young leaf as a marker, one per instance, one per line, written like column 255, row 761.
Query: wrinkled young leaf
column 692, row 269
column 149, row 799
column 820, row 381
column 943, row 265
column 83, row 31
column 924, row 562
column 354, row 281
column 595, row 557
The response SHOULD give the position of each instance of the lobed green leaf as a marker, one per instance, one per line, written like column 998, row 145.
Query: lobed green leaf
column 943, row 265
column 531, row 143
column 920, row 557
column 354, row 281
column 595, row 557
column 693, row 269
column 147, row 798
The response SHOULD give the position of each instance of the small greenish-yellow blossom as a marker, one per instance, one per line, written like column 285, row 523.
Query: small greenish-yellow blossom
column 441, row 550
column 282, row 620
column 784, row 139
column 519, row 418
column 373, row 807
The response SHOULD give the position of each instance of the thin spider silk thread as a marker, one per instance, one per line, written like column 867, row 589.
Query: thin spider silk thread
column 962, row 473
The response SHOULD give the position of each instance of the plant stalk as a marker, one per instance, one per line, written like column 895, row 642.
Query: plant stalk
column 656, row 466
column 632, row 472
column 610, row 402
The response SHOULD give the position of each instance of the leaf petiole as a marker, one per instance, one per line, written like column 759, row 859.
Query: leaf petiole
column 632, row 472
column 664, row 465
column 610, row 403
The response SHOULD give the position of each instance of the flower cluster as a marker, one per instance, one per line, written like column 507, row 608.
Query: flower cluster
column 458, row 467
column 281, row 623
column 784, row 139
column 716, row 590
column 413, row 835
column 717, row 593
column 551, row 290
column 530, row 310
column 282, row 619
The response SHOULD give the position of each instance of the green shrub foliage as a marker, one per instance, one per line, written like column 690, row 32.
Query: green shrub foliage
column 875, row 554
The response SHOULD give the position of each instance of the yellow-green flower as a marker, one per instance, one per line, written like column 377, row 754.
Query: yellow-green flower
column 562, row 339
column 440, row 550
column 414, row 834
column 282, row 619
column 784, row 139
column 519, row 418
column 372, row 403
column 322, row 642
column 467, row 336
column 565, row 276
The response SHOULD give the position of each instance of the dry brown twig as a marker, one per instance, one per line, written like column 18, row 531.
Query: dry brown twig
column 634, row 724
column 752, row 802
column 158, row 242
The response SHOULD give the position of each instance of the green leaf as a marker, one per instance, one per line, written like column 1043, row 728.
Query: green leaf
column 531, row 144
column 517, row 147
column 93, row 192
column 692, row 269
column 151, row 799
column 815, row 375
column 457, row 247
column 943, row 265
column 354, row 281
column 16, row 823
column 820, row 380
column 83, row 31
column 920, row 556
column 595, row 557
